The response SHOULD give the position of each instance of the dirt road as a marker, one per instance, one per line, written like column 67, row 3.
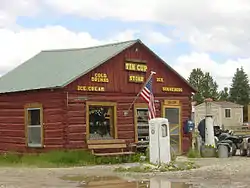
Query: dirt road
column 231, row 172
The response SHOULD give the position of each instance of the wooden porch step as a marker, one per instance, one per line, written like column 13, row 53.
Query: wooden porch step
column 107, row 146
column 114, row 154
column 110, row 141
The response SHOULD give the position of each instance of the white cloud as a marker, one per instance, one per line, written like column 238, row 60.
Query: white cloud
column 155, row 37
column 222, row 72
column 10, row 9
column 18, row 46
column 210, row 26
column 97, row 9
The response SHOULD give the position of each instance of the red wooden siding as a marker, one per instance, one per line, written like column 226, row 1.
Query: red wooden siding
column 65, row 117
column 118, row 76
column 125, row 124
column 76, row 129
column 12, row 120
column 120, row 91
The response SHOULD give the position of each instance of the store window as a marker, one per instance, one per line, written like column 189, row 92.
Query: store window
column 34, row 127
column 101, row 121
column 228, row 113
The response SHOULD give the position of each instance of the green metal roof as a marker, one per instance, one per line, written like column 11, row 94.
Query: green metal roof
column 57, row 68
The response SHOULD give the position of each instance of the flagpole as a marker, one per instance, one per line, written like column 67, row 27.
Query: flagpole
column 151, row 74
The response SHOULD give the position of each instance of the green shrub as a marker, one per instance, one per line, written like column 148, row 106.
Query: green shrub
column 172, row 166
column 192, row 153
column 10, row 158
column 147, row 154
column 172, row 153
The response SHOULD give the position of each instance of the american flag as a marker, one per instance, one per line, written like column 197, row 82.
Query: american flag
column 147, row 94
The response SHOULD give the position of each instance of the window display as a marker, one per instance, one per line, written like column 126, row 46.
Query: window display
column 101, row 122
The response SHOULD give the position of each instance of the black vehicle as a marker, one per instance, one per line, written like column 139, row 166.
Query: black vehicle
column 222, row 137
column 233, row 142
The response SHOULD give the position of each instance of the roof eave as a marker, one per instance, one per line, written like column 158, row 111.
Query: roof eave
column 28, row 90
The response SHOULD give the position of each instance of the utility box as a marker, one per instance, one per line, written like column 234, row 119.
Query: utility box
column 159, row 141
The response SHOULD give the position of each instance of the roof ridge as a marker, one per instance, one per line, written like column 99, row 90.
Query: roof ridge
column 90, row 47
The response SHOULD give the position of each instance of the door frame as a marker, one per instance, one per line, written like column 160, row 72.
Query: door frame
column 138, row 106
column 180, row 121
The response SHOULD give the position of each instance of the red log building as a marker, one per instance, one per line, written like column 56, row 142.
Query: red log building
column 65, row 98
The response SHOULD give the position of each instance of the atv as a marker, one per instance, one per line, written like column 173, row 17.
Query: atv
column 222, row 137
column 232, row 142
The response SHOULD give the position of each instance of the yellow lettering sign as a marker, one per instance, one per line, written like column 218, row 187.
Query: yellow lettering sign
column 136, row 67
column 100, row 77
column 171, row 102
column 159, row 80
column 172, row 89
column 136, row 79
column 90, row 88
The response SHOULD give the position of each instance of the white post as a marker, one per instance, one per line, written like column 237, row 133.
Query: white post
column 209, row 136
column 209, row 127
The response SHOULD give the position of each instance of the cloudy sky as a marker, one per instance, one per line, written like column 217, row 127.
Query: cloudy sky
column 211, row 34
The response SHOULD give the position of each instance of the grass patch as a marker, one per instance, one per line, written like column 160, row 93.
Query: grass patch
column 147, row 168
column 192, row 153
column 62, row 159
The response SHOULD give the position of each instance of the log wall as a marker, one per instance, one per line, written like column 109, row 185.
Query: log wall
column 125, row 124
column 65, row 115
column 120, row 90
column 12, row 119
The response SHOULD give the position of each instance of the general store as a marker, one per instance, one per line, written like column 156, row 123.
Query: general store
column 70, row 98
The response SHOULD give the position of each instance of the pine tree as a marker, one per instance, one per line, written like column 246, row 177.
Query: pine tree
column 195, row 79
column 205, row 85
column 224, row 94
column 240, row 89
column 210, row 87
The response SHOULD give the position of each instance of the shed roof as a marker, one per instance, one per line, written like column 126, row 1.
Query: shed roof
column 227, row 104
column 58, row 68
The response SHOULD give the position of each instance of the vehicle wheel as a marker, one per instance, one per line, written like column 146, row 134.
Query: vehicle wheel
column 234, row 149
column 243, row 152
column 223, row 151
column 248, row 152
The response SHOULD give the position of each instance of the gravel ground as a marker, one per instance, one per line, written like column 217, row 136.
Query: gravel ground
column 214, row 172
column 231, row 172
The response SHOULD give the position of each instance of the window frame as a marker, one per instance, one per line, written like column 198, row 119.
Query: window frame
column 33, row 106
column 136, row 107
column 107, row 104
column 230, row 112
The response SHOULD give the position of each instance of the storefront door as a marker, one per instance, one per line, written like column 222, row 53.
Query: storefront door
column 173, row 114
column 141, row 125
